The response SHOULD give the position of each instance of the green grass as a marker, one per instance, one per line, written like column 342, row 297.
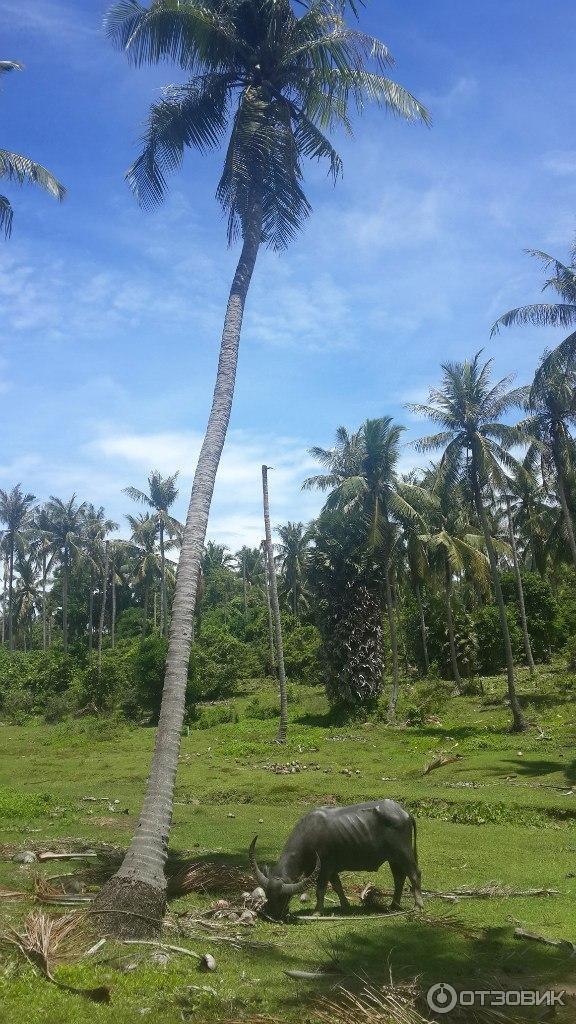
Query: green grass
column 503, row 812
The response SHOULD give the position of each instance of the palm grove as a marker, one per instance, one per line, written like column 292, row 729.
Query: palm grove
column 458, row 568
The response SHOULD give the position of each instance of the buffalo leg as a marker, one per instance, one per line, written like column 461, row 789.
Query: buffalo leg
column 399, row 875
column 321, row 886
column 337, row 886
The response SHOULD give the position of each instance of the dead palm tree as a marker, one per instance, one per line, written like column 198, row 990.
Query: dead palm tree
column 279, row 82
column 20, row 169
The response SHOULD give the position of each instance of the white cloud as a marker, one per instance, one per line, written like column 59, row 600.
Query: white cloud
column 237, row 507
column 561, row 163
column 454, row 99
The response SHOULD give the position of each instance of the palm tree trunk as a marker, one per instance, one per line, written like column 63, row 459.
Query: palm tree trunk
column 145, row 604
column 450, row 622
column 65, row 583
column 113, row 615
column 270, row 627
column 520, row 589
column 44, row 630
column 91, row 612
column 558, row 464
column 245, row 587
column 273, row 588
column 394, row 645
column 163, row 602
column 423, row 633
column 139, row 886
column 518, row 721
column 155, row 609
column 10, row 594
column 103, row 605
column 4, row 597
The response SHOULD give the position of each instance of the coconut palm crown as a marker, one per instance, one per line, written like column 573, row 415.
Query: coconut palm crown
column 272, row 82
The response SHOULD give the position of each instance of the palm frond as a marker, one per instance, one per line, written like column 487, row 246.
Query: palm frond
column 6, row 216
column 539, row 314
column 19, row 168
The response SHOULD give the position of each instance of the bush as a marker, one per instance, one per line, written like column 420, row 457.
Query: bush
column 425, row 699
column 212, row 715
column 542, row 611
column 219, row 661
column 491, row 655
column 260, row 711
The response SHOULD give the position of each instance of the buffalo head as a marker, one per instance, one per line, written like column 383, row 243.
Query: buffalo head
column 279, row 891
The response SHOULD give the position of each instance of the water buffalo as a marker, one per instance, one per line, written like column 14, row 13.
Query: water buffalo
column 328, row 840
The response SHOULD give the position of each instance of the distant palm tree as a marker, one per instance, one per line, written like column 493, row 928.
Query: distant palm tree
column 145, row 564
column 27, row 594
column 532, row 514
column 454, row 547
column 250, row 564
column 162, row 493
column 278, row 82
column 551, row 407
column 65, row 530
column 550, row 314
column 362, row 477
column 15, row 513
column 468, row 406
column 21, row 169
column 292, row 554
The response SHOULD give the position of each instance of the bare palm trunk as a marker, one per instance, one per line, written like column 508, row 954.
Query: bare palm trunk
column 135, row 898
column 4, row 598
column 65, row 583
column 103, row 605
column 245, row 588
column 394, row 645
column 91, row 612
column 273, row 590
column 518, row 721
column 44, row 630
column 11, row 595
column 423, row 632
column 113, row 615
column 270, row 627
column 520, row 589
column 163, row 600
column 450, row 622
column 145, row 603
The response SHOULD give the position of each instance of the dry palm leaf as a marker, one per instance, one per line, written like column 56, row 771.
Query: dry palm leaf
column 394, row 1004
column 47, row 941
column 207, row 876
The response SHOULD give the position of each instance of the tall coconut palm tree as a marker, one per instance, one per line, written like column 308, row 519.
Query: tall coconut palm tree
column 162, row 493
column 292, row 553
column 65, row 531
column 468, row 406
column 20, row 169
column 277, row 82
column 275, row 608
column 15, row 513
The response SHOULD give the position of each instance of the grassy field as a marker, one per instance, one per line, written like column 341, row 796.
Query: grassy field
column 504, row 812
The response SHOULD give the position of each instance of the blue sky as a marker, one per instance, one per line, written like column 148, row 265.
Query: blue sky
column 111, row 317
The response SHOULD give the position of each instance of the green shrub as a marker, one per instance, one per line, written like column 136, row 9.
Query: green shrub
column 216, row 714
column 261, row 711
column 491, row 655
